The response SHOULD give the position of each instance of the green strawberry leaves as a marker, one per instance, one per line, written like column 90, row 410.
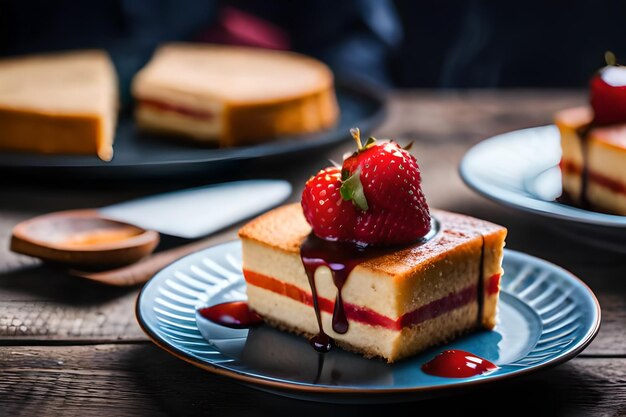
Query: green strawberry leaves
column 351, row 186
column 352, row 189
column 369, row 143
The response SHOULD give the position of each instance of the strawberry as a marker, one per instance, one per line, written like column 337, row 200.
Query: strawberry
column 330, row 216
column 375, row 198
column 388, row 179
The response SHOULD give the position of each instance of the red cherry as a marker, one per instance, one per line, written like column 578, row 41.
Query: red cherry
column 608, row 95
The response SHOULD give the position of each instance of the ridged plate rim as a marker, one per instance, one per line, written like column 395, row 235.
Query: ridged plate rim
column 283, row 387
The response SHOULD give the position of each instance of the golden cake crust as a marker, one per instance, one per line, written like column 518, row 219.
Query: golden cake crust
column 250, row 93
column 402, row 288
column 58, row 103
column 286, row 228
column 613, row 136
column 206, row 71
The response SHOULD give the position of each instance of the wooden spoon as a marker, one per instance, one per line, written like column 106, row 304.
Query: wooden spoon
column 142, row 271
column 83, row 238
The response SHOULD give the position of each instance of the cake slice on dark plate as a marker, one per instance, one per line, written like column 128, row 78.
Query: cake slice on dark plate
column 59, row 103
column 231, row 96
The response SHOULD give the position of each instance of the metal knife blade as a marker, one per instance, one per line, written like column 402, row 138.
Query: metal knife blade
column 197, row 212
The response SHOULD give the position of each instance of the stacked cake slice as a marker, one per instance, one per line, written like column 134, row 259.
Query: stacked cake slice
column 397, row 304
column 59, row 103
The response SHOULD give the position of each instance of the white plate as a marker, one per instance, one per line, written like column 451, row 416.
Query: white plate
column 520, row 169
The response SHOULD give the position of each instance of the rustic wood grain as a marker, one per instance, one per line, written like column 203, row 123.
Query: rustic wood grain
column 141, row 380
column 98, row 362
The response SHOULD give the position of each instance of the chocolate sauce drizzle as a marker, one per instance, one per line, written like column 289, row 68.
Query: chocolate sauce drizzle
column 340, row 258
column 583, row 200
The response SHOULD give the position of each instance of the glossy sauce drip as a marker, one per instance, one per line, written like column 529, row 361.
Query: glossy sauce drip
column 234, row 314
column 457, row 364
column 320, row 368
column 340, row 258
column 583, row 201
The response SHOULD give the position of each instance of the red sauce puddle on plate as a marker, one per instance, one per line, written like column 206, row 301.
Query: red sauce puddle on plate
column 457, row 364
column 234, row 314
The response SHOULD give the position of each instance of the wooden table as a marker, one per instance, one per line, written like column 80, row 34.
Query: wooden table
column 69, row 347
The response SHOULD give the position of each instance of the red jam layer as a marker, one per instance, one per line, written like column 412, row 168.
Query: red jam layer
column 366, row 315
column 159, row 105
column 611, row 184
column 493, row 284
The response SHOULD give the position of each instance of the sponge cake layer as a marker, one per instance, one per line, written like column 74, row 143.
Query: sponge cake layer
column 604, row 159
column 250, row 94
column 58, row 103
column 400, row 292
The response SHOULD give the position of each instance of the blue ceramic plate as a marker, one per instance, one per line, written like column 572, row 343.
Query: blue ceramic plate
column 520, row 169
column 546, row 316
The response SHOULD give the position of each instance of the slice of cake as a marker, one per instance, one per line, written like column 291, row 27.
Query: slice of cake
column 61, row 103
column 593, row 168
column 397, row 304
column 362, row 261
column 593, row 139
column 233, row 95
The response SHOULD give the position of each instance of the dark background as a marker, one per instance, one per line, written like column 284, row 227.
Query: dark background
column 403, row 43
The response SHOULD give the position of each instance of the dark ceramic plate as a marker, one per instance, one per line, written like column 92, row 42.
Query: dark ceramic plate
column 140, row 155
column 545, row 317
